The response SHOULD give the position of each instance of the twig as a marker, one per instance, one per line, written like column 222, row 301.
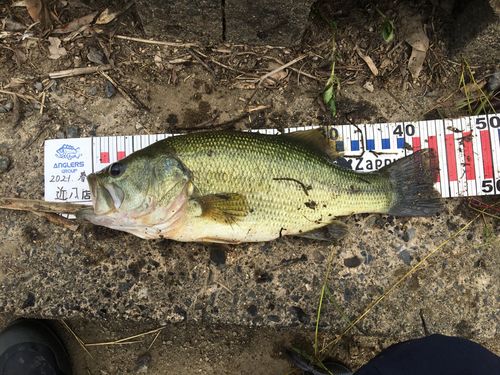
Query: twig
column 40, row 206
column 23, row 96
column 298, row 71
column 157, row 42
column 126, row 338
column 43, row 103
column 59, row 220
column 197, row 58
column 261, row 79
column 76, row 337
column 76, row 91
column 79, row 71
column 132, row 99
column 35, row 137
column 225, row 287
column 158, row 334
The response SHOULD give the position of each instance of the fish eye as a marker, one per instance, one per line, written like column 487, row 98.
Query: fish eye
column 115, row 170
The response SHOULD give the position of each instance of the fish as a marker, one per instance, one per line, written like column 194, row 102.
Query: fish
column 233, row 187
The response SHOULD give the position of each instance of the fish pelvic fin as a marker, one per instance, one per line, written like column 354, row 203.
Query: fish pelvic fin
column 335, row 229
column 228, row 208
column 413, row 186
column 317, row 139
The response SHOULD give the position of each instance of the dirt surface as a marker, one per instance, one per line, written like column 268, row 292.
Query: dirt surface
column 234, row 309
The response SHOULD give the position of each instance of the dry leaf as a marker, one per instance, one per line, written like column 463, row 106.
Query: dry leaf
column 16, row 82
column 10, row 25
column 412, row 30
column 368, row 61
column 19, row 57
column 106, row 17
column 55, row 48
column 34, row 7
column 416, row 63
column 16, row 112
column 76, row 24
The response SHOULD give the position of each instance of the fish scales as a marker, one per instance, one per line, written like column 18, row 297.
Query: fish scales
column 272, row 173
column 286, row 186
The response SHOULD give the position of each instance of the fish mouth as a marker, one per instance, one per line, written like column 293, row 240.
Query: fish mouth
column 105, row 197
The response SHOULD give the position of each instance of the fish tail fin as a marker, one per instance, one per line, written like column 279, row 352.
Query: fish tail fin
column 413, row 183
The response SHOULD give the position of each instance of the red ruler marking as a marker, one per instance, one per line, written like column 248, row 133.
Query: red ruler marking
column 104, row 157
column 452, row 159
column 486, row 151
column 434, row 158
column 120, row 155
column 470, row 171
column 416, row 144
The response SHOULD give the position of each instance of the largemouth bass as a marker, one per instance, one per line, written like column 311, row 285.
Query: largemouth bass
column 233, row 187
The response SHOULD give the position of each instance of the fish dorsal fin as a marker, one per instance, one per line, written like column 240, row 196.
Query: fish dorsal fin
column 226, row 208
column 318, row 139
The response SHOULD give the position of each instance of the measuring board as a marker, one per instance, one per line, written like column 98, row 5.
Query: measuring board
column 466, row 150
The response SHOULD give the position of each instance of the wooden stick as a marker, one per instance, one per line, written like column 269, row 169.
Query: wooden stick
column 59, row 220
column 192, row 53
column 261, row 79
column 157, row 42
column 78, row 71
column 24, row 96
column 39, row 206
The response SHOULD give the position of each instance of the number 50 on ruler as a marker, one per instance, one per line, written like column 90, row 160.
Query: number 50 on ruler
column 467, row 150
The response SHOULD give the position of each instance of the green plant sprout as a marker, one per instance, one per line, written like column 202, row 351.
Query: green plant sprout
column 387, row 32
column 329, row 93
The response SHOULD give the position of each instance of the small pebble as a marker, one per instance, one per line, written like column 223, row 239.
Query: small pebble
column 60, row 135
column 72, row 132
column 59, row 93
column 405, row 257
column 4, row 163
column 110, row 90
column 39, row 86
column 37, row 105
column 368, row 86
column 142, row 364
column 59, row 249
column 93, row 91
column 53, row 85
column 3, row 109
column 370, row 222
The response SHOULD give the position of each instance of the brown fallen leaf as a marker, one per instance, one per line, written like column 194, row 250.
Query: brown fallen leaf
column 16, row 82
column 55, row 48
column 413, row 33
column 368, row 61
column 76, row 24
column 19, row 57
column 34, row 7
column 16, row 112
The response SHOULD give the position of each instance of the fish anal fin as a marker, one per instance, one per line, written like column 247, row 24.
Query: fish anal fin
column 335, row 229
column 318, row 139
column 228, row 208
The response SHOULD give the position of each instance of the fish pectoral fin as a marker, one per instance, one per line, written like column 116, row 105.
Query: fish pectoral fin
column 226, row 208
column 333, row 230
column 318, row 138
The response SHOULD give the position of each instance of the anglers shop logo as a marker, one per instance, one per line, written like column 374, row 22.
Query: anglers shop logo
column 68, row 152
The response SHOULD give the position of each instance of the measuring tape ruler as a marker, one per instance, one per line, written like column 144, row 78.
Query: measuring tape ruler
column 467, row 150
